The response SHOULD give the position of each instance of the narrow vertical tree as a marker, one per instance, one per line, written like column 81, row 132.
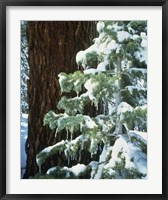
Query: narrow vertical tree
column 114, row 76
column 52, row 46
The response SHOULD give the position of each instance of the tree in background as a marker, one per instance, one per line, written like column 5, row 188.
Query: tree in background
column 52, row 46
column 24, row 67
column 114, row 81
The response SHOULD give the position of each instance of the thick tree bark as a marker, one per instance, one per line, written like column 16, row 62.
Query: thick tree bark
column 52, row 48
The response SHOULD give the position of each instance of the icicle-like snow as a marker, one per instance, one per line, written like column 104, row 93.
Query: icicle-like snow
column 80, row 155
column 39, row 168
column 56, row 133
column 66, row 153
column 67, row 134
column 82, row 145
column 81, row 125
column 71, row 136
column 68, row 161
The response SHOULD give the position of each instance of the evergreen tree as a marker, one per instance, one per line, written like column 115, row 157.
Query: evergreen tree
column 113, row 80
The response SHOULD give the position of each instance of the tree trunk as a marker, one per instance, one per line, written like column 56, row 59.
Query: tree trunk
column 52, row 48
column 118, row 97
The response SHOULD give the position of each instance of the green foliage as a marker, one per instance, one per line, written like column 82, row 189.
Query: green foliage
column 73, row 81
column 59, row 173
column 142, row 145
column 140, row 119
column 42, row 176
column 72, row 106
column 118, row 74
column 138, row 26
column 105, row 86
column 51, row 119
column 137, row 119
column 70, row 123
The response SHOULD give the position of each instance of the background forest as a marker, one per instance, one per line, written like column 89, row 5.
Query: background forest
column 84, row 99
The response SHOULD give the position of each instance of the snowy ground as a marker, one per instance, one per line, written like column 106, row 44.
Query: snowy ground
column 24, row 128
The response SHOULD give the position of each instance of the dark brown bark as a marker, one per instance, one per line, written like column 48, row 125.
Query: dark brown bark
column 52, row 49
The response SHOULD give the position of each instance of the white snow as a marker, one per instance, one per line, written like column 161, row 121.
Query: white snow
column 102, row 66
column 91, row 49
column 102, row 161
column 82, row 57
column 24, row 124
column 103, row 46
column 24, row 116
column 144, row 43
column 135, row 37
column 76, row 82
column 143, row 136
column 134, row 157
column 126, row 64
column 90, row 71
column 93, row 165
column 124, row 107
column 89, row 85
column 118, row 146
column 49, row 171
column 145, row 177
column 144, row 107
column 143, row 35
column 141, row 55
column 77, row 139
column 76, row 169
column 109, row 27
column 116, row 28
column 89, row 122
column 24, row 132
column 131, row 88
column 134, row 69
column 100, row 26
column 122, row 35
column 79, row 57
column 131, row 30
column 96, row 41
column 47, row 150
column 61, row 77
column 118, row 49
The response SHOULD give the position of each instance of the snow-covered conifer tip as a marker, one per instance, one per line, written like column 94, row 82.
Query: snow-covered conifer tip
column 100, row 26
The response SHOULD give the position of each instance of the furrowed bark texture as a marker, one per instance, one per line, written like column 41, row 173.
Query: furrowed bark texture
column 53, row 46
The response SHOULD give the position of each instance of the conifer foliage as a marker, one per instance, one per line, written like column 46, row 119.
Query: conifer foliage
column 113, row 78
